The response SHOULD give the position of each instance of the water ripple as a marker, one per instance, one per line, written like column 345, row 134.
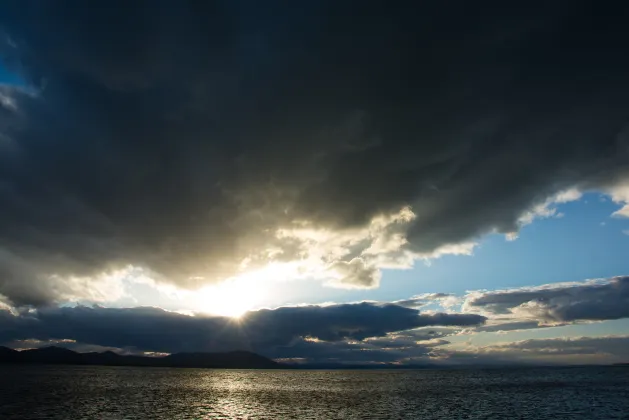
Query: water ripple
column 32, row 392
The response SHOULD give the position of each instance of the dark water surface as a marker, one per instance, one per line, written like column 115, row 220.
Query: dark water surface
column 74, row 392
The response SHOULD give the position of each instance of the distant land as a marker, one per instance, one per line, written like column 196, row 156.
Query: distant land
column 228, row 360
column 63, row 356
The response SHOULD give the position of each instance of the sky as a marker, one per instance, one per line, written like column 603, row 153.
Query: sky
column 436, row 184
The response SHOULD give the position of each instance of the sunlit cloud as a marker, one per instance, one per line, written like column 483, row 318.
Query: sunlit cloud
column 620, row 195
column 555, row 303
column 546, row 209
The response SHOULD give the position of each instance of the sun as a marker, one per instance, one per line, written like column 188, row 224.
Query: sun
column 232, row 298
column 239, row 295
column 229, row 299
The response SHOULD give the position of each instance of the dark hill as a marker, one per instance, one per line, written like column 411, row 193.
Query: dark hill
column 58, row 355
column 233, row 359
column 7, row 354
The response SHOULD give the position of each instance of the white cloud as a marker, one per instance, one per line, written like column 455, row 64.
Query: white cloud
column 546, row 209
column 6, row 306
column 567, row 196
column 512, row 236
column 353, row 258
column 620, row 195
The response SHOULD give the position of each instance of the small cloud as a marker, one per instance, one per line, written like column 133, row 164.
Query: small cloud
column 620, row 195
column 546, row 209
column 512, row 236
column 354, row 274
column 622, row 212
column 566, row 196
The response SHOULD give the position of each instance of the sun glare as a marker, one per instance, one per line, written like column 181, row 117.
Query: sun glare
column 236, row 296
column 232, row 298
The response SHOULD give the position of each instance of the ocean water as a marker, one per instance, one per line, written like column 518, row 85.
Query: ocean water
column 76, row 392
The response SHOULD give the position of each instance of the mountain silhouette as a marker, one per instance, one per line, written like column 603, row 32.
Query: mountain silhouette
column 63, row 356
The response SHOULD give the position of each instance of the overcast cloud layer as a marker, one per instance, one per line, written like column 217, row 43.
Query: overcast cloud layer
column 156, row 330
column 201, row 139
column 366, row 332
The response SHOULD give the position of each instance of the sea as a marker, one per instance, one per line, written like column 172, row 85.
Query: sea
column 98, row 392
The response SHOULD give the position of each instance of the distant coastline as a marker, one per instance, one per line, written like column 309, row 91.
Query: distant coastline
column 227, row 360
column 62, row 356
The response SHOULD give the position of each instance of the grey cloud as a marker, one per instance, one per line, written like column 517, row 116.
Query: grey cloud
column 561, row 351
column 371, row 352
column 509, row 325
column 356, row 273
column 589, row 300
column 69, row 344
column 153, row 329
column 617, row 346
column 437, row 352
column 179, row 136
column 423, row 299
column 353, row 333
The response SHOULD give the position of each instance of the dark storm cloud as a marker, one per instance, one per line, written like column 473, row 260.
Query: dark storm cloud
column 179, row 136
column 355, row 321
column 354, row 352
column 436, row 352
column 153, row 329
column 589, row 300
column 606, row 349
